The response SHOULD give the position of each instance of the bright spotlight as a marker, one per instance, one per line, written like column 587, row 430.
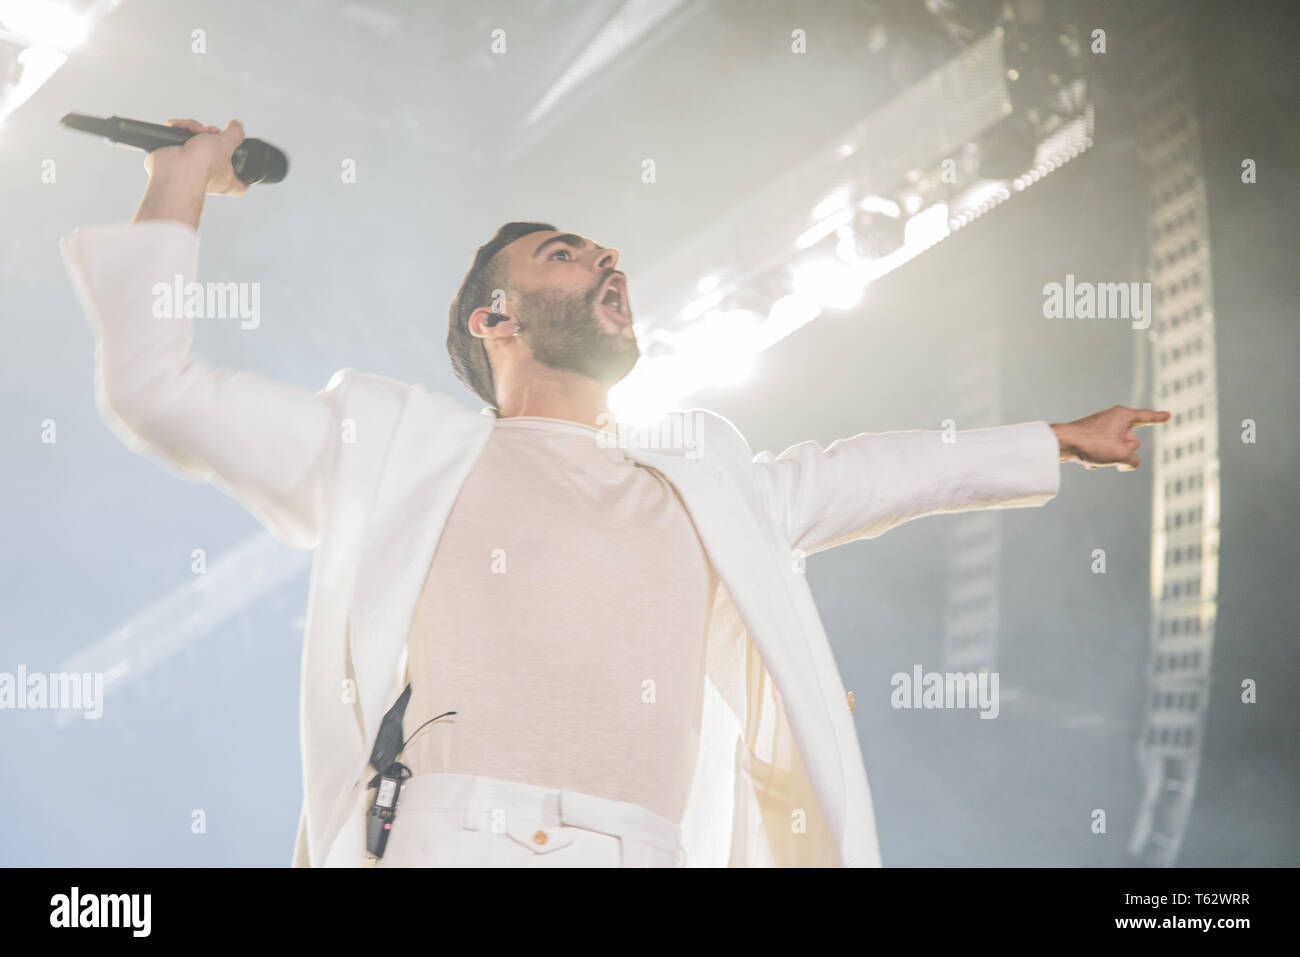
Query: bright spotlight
column 44, row 23
column 648, row 393
column 927, row 227
column 833, row 284
column 833, row 203
column 790, row 312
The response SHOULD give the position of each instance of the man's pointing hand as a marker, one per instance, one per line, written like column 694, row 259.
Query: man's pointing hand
column 1106, row 437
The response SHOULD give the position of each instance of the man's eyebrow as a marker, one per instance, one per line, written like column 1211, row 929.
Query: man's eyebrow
column 569, row 239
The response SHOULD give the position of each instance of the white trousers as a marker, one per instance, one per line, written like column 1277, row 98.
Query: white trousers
column 460, row 820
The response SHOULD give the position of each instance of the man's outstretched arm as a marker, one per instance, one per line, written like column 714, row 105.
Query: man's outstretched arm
column 267, row 443
column 861, row 487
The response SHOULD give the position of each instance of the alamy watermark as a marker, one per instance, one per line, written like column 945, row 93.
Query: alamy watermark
column 1098, row 300
column 208, row 300
column 76, row 909
column 672, row 432
column 79, row 691
column 933, row 689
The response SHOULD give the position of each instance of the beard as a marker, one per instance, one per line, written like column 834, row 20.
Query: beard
column 565, row 333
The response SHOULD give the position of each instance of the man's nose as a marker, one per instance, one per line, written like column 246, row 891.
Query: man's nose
column 607, row 259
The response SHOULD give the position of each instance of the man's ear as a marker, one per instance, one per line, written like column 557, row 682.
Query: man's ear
column 478, row 323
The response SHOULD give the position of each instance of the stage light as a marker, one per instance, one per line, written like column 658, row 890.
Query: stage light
column 833, row 284
column 878, row 232
column 646, row 394
column 880, row 204
column 723, row 357
column 698, row 307
column 982, row 197
column 823, row 229
column 792, row 311
column 42, row 23
column 927, row 227
column 718, row 349
column 832, row 203
column 636, row 410
column 35, row 65
column 732, row 368
column 846, row 244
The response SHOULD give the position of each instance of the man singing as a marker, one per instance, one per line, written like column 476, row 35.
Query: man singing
column 623, row 631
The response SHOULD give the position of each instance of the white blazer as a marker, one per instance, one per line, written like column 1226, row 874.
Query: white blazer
column 365, row 471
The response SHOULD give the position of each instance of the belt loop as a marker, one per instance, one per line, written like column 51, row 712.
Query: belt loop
column 551, row 809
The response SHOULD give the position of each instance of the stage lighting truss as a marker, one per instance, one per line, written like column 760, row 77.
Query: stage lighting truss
column 887, row 190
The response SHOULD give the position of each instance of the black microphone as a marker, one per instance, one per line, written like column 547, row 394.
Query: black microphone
column 253, row 160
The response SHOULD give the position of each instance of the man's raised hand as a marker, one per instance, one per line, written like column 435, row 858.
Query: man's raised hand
column 1105, row 438
column 204, row 156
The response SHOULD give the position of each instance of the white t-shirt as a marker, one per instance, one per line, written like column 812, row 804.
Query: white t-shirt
column 563, row 619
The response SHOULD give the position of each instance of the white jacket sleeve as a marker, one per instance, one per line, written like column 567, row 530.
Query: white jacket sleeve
column 863, row 486
column 269, row 444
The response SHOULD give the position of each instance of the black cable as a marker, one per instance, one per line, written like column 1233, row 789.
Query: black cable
column 421, row 727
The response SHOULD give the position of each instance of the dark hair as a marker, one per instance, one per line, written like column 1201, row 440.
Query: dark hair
column 469, row 358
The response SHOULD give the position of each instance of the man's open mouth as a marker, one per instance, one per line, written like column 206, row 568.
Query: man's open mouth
column 615, row 300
